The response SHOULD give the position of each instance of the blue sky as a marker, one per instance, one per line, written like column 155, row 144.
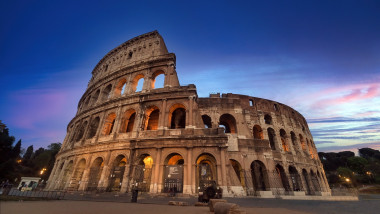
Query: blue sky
column 320, row 57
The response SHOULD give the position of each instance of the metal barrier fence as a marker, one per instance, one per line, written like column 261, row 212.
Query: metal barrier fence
column 36, row 194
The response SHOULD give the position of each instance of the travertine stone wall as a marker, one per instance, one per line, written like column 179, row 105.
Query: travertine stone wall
column 166, row 138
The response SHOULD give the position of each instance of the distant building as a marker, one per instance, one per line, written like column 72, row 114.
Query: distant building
column 168, row 139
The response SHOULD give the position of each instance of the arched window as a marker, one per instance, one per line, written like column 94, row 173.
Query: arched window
column 258, row 132
column 106, row 93
column 284, row 142
column 294, row 139
column 95, row 97
column 130, row 121
column 282, row 177
column 86, row 104
column 109, row 124
column 158, row 79
column 120, row 87
column 93, row 127
column 271, row 137
column 81, row 131
column 207, row 121
column 302, row 142
column 137, row 83
column 229, row 123
column 268, row 119
column 152, row 117
column 178, row 119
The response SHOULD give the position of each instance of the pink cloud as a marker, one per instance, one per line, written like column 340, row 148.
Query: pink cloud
column 356, row 93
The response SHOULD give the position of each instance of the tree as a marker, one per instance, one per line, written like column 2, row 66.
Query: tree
column 8, row 156
column 357, row 164
column 29, row 152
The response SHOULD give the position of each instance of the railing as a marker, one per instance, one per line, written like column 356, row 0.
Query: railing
column 37, row 194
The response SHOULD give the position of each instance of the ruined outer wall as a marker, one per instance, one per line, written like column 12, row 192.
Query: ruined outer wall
column 261, row 139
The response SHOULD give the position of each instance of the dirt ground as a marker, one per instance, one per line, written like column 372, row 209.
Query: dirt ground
column 89, row 207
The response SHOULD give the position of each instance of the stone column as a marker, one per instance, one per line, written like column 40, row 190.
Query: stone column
column 187, row 186
column 104, row 177
column 85, row 176
column 161, row 120
column 223, row 166
column 190, row 117
column 157, row 167
column 118, row 121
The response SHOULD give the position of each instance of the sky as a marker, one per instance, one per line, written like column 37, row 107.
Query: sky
column 320, row 57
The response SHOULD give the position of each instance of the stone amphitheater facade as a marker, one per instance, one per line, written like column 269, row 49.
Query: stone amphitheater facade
column 163, row 139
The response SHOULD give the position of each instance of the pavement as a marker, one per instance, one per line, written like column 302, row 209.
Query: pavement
column 96, row 204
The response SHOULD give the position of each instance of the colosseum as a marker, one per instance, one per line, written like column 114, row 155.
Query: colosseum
column 131, row 133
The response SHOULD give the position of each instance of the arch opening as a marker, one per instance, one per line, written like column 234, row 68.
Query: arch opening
column 271, row 137
column 76, row 179
column 238, row 170
column 229, row 123
column 93, row 127
column 178, row 119
column 206, row 174
column 109, row 124
column 295, row 178
column 284, row 142
column 259, row 176
column 117, row 173
column 158, row 80
column 207, row 121
column 94, row 175
column 152, row 118
column 258, row 132
column 173, row 173
column 143, row 172
column 106, row 93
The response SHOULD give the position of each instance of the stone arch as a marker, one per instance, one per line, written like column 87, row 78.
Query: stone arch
column 282, row 179
column 259, row 175
column 293, row 139
column 295, row 178
column 136, row 82
column 66, row 175
column 258, row 132
column 82, row 129
column 314, row 181
column 305, row 176
column 109, row 123
column 95, row 173
column 106, row 93
column 155, row 75
column 95, row 97
column 302, row 142
column 117, row 173
column 87, row 103
column 93, row 127
column 207, row 121
column 268, row 119
column 272, row 139
column 284, row 142
column 128, row 120
column 120, row 87
column 152, row 118
column 143, row 172
column 229, row 123
column 173, row 173
column 78, row 174
column 206, row 173
column 177, row 116
column 311, row 153
column 238, row 171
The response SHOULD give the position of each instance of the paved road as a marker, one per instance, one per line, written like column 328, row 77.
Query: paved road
column 92, row 207
column 368, row 204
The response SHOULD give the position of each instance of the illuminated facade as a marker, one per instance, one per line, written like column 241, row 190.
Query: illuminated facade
column 165, row 138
